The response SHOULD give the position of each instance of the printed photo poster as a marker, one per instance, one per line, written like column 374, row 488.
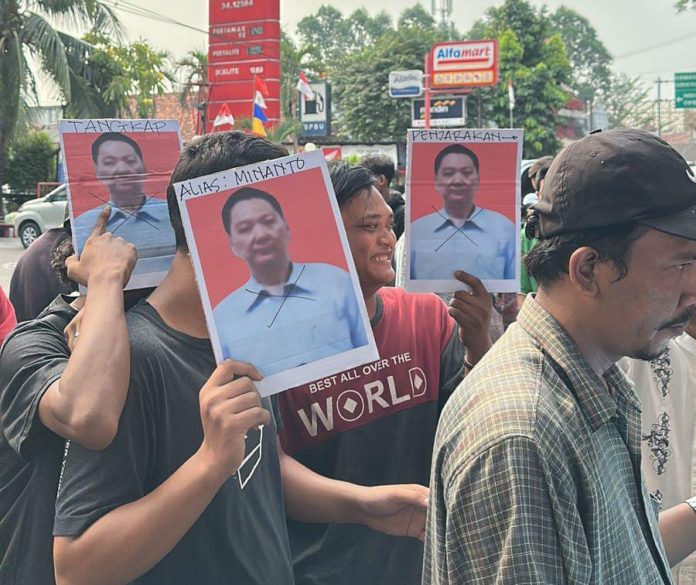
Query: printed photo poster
column 125, row 164
column 275, row 272
column 463, row 208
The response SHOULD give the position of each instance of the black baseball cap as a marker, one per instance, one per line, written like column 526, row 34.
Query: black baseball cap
column 617, row 177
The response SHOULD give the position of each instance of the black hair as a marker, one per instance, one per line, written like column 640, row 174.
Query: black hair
column 60, row 253
column 245, row 194
column 548, row 260
column 380, row 164
column 114, row 137
column 348, row 181
column 456, row 149
column 214, row 153
column 541, row 172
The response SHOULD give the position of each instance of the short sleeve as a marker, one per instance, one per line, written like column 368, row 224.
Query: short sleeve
column 32, row 358
column 93, row 483
column 496, row 522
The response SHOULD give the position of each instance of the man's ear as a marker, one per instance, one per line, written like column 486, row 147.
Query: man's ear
column 584, row 268
column 381, row 182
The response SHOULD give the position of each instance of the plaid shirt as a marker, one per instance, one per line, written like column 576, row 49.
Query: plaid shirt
column 536, row 471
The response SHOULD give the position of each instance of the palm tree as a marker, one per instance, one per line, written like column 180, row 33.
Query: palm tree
column 193, row 70
column 26, row 30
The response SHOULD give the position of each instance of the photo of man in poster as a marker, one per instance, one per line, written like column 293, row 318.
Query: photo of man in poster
column 136, row 216
column 288, row 313
column 461, row 235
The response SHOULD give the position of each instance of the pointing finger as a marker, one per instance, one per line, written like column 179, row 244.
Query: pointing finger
column 100, row 227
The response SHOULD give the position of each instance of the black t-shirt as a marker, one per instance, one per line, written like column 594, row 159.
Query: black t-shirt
column 373, row 425
column 34, row 284
column 32, row 358
column 241, row 536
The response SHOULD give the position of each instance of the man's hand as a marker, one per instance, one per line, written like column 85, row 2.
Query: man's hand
column 398, row 510
column 230, row 406
column 472, row 312
column 104, row 255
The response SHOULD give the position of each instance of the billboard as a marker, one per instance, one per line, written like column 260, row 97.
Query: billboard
column 464, row 64
column 316, row 114
column 444, row 111
column 244, row 47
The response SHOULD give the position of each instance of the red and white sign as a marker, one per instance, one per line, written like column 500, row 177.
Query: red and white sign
column 244, row 47
column 234, row 32
column 241, row 90
column 222, row 11
column 243, row 51
column 244, row 71
column 464, row 64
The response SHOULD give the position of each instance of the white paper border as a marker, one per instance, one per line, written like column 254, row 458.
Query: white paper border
column 462, row 136
column 231, row 179
column 124, row 126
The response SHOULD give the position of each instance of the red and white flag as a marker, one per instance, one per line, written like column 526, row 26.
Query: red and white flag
column 224, row 117
column 511, row 94
column 304, row 88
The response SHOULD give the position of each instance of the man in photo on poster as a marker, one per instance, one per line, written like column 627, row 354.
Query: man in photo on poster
column 137, row 217
column 461, row 235
column 288, row 313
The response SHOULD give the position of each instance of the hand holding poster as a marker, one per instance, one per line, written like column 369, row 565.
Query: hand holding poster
column 125, row 164
column 462, row 211
column 275, row 272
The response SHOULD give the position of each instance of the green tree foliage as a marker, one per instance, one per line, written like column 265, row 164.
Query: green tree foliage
column 685, row 4
column 362, row 88
column 535, row 59
column 32, row 158
column 628, row 102
column 193, row 72
column 27, row 27
column 590, row 60
column 119, row 74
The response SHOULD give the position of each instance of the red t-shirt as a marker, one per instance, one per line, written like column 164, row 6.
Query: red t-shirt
column 373, row 425
column 7, row 316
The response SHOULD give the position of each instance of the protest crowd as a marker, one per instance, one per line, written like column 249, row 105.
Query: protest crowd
column 546, row 446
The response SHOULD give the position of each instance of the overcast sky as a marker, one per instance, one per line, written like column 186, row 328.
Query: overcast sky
column 625, row 26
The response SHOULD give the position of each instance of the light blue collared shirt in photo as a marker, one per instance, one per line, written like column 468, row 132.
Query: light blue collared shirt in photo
column 148, row 228
column 316, row 316
column 484, row 246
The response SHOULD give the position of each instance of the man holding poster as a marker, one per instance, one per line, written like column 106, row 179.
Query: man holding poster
column 461, row 234
column 321, row 315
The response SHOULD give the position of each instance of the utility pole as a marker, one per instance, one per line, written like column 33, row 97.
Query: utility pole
column 659, row 105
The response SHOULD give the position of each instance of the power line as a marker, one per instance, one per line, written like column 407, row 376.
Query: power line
column 659, row 45
column 136, row 10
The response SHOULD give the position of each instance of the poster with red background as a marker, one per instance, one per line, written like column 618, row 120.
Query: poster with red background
column 160, row 153
column 497, row 175
column 224, row 272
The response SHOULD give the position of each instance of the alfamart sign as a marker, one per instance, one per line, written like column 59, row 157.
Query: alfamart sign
column 464, row 64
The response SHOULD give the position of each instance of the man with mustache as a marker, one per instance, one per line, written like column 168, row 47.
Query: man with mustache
column 137, row 217
column 537, row 464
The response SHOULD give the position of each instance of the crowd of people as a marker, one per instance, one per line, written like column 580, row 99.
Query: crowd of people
column 541, row 456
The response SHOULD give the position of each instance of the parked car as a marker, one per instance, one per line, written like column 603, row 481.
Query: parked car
column 38, row 215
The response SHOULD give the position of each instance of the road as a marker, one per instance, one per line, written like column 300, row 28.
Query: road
column 10, row 251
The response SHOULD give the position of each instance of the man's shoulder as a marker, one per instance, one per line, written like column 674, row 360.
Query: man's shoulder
column 324, row 270
column 510, row 393
column 234, row 301
column 397, row 299
column 426, row 221
column 496, row 219
column 49, row 323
